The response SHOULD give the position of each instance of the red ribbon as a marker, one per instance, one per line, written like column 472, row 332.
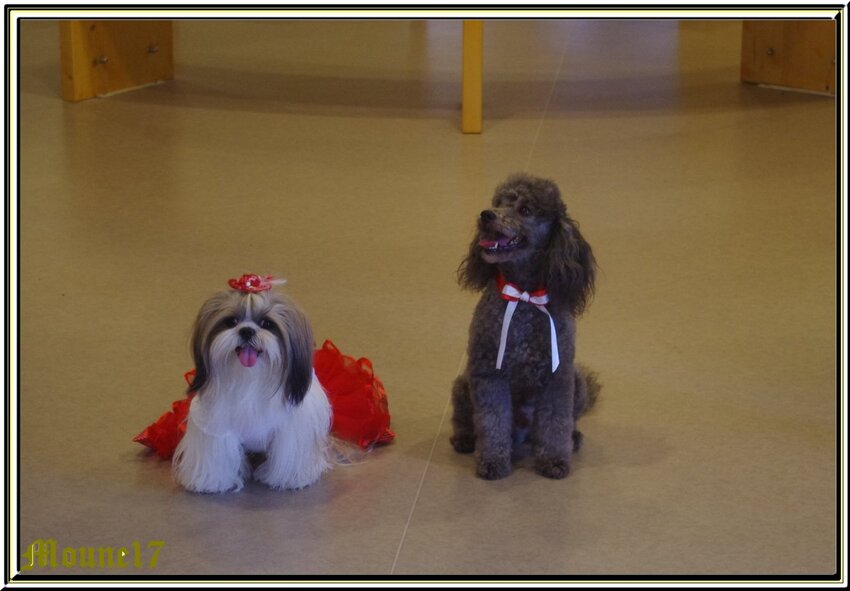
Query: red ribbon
column 515, row 294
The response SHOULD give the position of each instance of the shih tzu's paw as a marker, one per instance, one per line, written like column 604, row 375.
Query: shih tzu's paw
column 280, row 478
column 555, row 468
column 214, row 486
column 493, row 469
column 271, row 478
column 463, row 444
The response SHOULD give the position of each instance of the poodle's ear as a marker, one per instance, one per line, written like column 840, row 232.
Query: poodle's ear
column 474, row 273
column 571, row 266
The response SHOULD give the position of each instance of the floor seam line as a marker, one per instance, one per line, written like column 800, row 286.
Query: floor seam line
column 546, row 107
column 424, row 474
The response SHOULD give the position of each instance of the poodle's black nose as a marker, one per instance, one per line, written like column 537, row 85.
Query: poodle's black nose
column 488, row 215
column 247, row 333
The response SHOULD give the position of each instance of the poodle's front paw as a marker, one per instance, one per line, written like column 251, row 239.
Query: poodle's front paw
column 555, row 468
column 463, row 444
column 493, row 469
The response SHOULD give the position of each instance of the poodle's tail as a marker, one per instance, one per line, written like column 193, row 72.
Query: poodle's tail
column 587, row 390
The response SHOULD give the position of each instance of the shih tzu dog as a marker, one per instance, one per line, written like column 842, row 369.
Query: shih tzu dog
column 255, row 393
column 535, row 272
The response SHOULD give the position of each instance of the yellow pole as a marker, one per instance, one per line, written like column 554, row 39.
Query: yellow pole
column 473, row 77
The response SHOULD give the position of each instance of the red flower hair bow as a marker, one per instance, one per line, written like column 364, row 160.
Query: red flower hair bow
column 251, row 283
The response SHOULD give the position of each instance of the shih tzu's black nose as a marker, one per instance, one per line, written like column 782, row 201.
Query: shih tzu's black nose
column 247, row 333
column 488, row 215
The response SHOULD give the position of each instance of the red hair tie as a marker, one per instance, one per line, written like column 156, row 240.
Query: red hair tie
column 252, row 283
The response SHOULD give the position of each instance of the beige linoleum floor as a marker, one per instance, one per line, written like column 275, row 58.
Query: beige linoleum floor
column 329, row 153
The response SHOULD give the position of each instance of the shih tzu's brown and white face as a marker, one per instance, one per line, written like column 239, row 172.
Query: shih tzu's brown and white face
column 238, row 335
column 256, row 393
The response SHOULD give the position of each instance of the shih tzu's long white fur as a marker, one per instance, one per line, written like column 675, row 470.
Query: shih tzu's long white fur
column 256, row 391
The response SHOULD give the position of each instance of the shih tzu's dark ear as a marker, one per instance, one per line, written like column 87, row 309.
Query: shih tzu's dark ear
column 200, row 355
column 202, row 334
column 297, row 370
column 474, row 273
column 571, row 266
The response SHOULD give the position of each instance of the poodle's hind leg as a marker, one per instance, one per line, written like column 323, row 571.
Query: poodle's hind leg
column 578, row 439
column 554, row 434
column 586, row 393
column 493, row 418
column 463, row 437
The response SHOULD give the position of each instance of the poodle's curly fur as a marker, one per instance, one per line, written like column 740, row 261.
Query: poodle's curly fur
column 527, row 237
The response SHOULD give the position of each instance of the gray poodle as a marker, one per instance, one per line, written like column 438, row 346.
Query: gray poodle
column 521, row 383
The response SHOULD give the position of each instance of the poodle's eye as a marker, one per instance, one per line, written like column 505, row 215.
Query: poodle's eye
column 230, row 321
column 524, row 210
column 266, row 324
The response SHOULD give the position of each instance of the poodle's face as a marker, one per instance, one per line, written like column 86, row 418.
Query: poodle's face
column 528, row 236
column 519, row 223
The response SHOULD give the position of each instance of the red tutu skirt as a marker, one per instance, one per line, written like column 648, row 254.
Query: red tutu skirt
column 360, row 410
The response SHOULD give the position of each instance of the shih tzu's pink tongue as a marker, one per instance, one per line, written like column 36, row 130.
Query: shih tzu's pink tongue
column 247, row 356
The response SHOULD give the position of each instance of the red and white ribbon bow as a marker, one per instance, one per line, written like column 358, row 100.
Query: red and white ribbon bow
column 539, row 298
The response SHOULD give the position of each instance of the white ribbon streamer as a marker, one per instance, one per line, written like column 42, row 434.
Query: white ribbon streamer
column 514, row 296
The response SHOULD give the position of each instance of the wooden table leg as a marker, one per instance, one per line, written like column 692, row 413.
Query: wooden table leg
column 792, row 54
column 100, row 57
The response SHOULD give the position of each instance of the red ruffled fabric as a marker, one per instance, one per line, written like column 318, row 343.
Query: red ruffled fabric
column 358, row 399
column 163, row 435
column 361, row 412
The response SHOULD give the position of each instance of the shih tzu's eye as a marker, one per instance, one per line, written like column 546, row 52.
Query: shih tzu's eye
column 266, row 324
column 230, row 322
column 525, row 211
